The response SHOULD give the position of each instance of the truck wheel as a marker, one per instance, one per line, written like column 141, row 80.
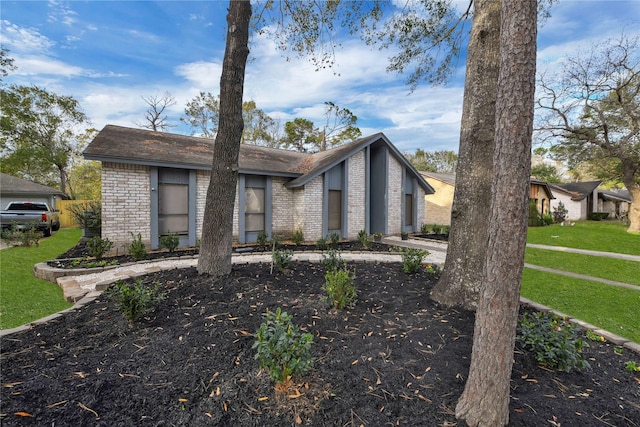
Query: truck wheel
column 47, row 231
column 55, row 226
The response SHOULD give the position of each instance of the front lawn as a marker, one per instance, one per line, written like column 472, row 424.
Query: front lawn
column 23, row 297
column 604, row 236
column 605, row 268
column 612, row 308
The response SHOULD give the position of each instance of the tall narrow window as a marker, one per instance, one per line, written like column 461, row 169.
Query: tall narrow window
column 254, row 209
column 408, row 210
column 335, row 210
column 173, row 209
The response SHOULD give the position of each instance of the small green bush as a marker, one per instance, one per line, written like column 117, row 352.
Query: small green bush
column 282, row 258
column 437, row 229
column 552, row 341
column 321, row 244
column 598, row 216
column 332, row 260
column 135, row 300
column 631, row 366
column 340, row 287
column 170, row 241
column 262, row 240
column 281, row 349
column 425, row 228
column 445, row 229
column 334, row 238
column 412, row 259
column 297, row 237
column 29, row 235
column 547, row 219
column 363, row 238
column 97, row 246
column 137, row 249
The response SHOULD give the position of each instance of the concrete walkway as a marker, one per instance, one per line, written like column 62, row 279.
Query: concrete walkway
column 82, row 289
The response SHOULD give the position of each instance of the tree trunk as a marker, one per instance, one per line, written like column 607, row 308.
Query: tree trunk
column 461, row 279
column 217, row 227
column 485, row 400
column 634, row 209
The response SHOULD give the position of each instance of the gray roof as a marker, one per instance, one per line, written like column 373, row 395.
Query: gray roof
column 615, row 195
column 13, row 185
column 577, row 190
column 447, row 178
column 141, row 146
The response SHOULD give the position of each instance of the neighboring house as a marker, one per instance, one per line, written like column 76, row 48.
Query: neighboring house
column 155, row 183
column 437, row 206
column 579, row 198
column 616, row 202
column 540, row 193
column 14, row 189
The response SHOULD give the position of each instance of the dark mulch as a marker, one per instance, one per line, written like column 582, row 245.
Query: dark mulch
column 435, row 236
column 396, row 358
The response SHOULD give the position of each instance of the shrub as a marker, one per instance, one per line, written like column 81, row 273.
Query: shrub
column 425, row 228
column 437, row 229
column 534, row 215
column 412, row 259
column 137, row 249
column 282, row 258
column 560, row 213
column 631, row 366
column 262, row 239
column 552, row 341
column 97, row 246
column 332, row 260
column 363, row 238
column 29, row 235
column 547, row 219
column 446, row 229
column 334, row 238
column 339, row 284
column 87, row 215
column 297, row 237
column 281, row 349
column 321, row 243
column 598, row 216
column 135, row 300
column 170, row 241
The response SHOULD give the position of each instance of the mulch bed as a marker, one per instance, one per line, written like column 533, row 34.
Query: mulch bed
column 395, row 358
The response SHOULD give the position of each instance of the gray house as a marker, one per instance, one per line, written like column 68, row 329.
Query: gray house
column 13, row 189
column 155, row 183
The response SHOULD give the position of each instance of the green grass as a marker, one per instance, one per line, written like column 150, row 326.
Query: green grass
column 24, row 298
column 605, row 268
column 611, row 308
column 591, row 235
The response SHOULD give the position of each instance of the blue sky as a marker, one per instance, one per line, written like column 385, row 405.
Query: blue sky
column 109, row 54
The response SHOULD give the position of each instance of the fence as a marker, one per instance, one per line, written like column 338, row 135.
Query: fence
column 66, row 220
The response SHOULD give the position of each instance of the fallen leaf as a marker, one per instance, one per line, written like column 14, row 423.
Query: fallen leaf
column 298, row 419
column 23, row 414
column 519, row 411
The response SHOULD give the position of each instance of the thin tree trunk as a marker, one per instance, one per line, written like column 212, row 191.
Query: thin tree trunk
column 217, row 227
column 462, row 277
column 485, row 400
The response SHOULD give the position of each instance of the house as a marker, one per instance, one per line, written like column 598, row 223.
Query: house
column 437, row 206
column 579, row 198
column 13, row 189
column 615, row 202
column 155, row 183
column 540, row 194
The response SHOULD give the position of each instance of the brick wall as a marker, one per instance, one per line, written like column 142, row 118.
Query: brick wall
column 356, row 195
column 395, row 196
column 420, row 209
column 282, row 202
column 437, row 207
column 311, row 209
column 126, row 204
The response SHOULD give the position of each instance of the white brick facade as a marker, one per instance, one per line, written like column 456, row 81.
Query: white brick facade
column 312, row 209
column 282, row 205
column 126, row 204
column 356, row 205
column 395, row 196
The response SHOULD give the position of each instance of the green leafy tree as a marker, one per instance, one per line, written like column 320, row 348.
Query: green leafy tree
column 202, row 113
column 301, row 135
column 259, row 128
column 443, row 161
column 591, row 113
column 546, row 173
column 39, row 131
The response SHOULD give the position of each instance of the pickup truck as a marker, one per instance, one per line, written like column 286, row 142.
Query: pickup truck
column 22, row 214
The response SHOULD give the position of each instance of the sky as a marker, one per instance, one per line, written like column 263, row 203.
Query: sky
column 108, row 55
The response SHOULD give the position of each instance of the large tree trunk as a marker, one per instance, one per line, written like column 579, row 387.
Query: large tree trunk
column 217, row 227
column 485, row 400
column 634, row 209
column 461, row 279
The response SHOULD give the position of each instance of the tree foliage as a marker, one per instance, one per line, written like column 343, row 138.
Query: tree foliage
column 202, row 113
column 591, row 113
column 39, row 131
column 546, row 173
column 442, row 161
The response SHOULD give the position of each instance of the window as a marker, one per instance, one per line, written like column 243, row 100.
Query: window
column 254, row 209
column 173, row 209
column 408, row 210
column 335, row 210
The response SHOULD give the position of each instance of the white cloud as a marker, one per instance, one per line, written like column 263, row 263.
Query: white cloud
column 26, row 40
column 42, row 65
